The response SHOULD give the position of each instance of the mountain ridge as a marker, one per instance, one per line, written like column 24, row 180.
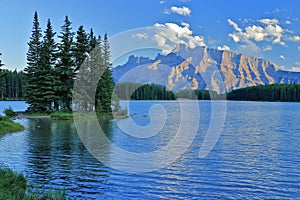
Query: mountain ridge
column 203, row 68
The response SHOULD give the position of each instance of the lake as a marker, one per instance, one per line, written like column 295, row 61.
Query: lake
column 257, row 155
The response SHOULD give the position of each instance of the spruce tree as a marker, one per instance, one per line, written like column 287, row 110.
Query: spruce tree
column 81, row 47
column 1, row 64
column 106, row 83
column 33, row 67
column 48, row 78
column 65, row 67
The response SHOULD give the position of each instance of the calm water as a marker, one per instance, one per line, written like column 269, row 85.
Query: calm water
column 256, row 157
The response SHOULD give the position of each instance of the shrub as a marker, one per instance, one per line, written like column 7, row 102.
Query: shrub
column 9, row 112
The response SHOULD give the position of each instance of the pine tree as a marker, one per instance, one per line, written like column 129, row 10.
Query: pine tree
column 48, row 78
column 65, row 67
column 92, row 40
column 81, row 47
column 1, row 64
column 33, row 67
column 106, row 83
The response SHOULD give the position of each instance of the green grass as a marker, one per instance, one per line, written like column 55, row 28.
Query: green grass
column 61, row 116
column 13, row 187
column 8, row 126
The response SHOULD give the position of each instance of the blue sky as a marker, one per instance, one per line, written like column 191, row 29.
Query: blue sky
column 267, row 29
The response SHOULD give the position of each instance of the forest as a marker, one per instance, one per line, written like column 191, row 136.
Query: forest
column 274, row 92
column 139, row 91
column 12, row 85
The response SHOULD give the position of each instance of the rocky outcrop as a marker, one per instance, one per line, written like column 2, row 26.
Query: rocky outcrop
column 205, row 68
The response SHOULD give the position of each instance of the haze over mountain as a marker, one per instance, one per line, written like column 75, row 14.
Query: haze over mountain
column 203, row 68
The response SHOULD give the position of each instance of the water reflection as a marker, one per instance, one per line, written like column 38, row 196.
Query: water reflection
column 56, row 157
column 256, row 157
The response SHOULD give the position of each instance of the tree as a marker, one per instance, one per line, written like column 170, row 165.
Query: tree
column 65, row 67
column 106, row 83
column 33, row 67
column 1, row 64
column 81, row 47
column 48, row 78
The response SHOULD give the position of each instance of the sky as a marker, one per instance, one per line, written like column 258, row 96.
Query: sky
column 264, row 29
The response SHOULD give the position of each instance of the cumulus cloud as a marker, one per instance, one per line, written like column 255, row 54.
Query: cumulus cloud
column 140, row 36
column 169, row 35
column 185, row 11
column 270, row 31
column 295, row 69
column 267, row 48
column 288, row 22
column 224, row 48
column 268, row 21
column 294, row 38
column 162, row 2
column 282, row 57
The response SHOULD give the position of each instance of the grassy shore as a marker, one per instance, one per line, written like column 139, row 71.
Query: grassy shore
column 7, row 125
column 13, row 186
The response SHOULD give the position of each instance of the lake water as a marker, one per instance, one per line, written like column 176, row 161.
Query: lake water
column 256, row 157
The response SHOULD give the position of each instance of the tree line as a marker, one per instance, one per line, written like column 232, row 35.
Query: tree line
column 139, row 91
column 274, row 92
column 11, row 85
column 52, row 66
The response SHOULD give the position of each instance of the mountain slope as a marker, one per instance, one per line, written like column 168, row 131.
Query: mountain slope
column 203, row 68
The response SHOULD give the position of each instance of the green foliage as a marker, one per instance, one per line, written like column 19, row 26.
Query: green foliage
column 9, row 112
column 52, row 68
column 12, row 85
column 138, row 91
column 275, row 92
column 12, row 185
column 61, row 115
column 198, row 94
column 7, row 125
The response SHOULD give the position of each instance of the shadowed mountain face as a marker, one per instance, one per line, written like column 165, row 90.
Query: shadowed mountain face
column 203, row 68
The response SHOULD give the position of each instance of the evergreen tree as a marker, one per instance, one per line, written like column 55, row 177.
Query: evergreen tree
column 65, row 67
column 106, row 83
column 81, row 47
column 1, row 64
column 48, row 79
column 92, row 40
column 33, row 67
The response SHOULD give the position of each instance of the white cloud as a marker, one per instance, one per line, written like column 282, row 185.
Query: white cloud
column 270, row 31
column 294, row 38
column 267, row 48
column 169, row 35
column 185, row 11
column 167, row 11
column 268, row 21
column 298, row 48
column 295, row 69
column 282, row 57
column 162, row 2
column 140, row 36
column 250, row 49
column 288, row 22
column 185, row 24
column 224, row 48
column 297, row 64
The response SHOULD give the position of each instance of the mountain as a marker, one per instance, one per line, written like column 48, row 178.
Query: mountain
column 203, row 68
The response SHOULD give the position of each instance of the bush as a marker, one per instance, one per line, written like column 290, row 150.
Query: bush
column 9, row 112
column 12, row 185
